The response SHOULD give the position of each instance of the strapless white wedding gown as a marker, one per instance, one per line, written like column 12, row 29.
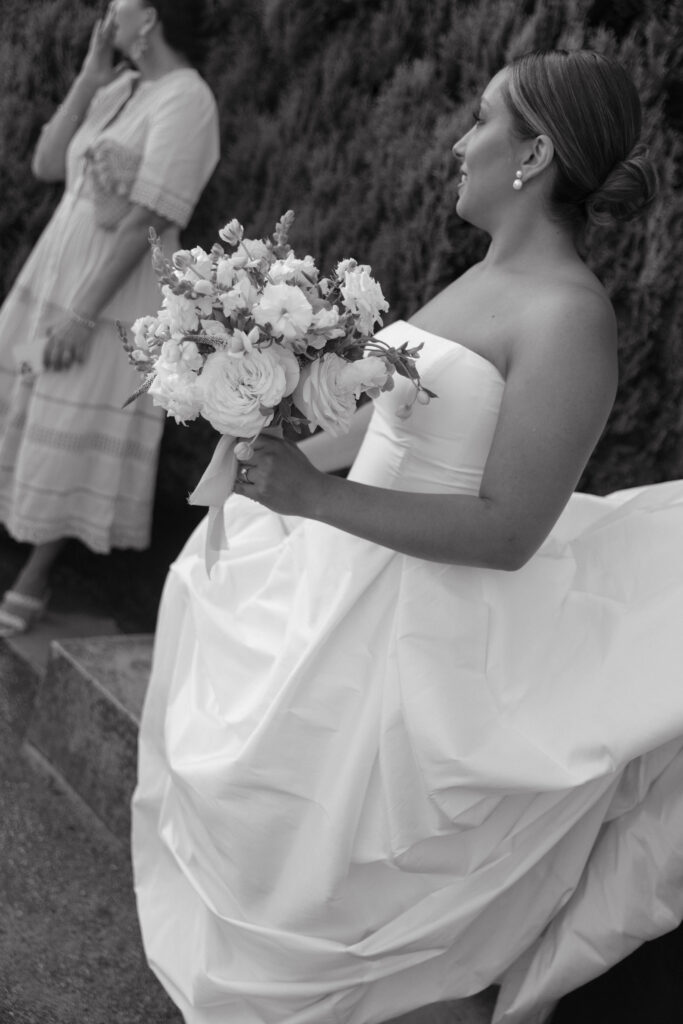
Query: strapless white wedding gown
column 370, row 782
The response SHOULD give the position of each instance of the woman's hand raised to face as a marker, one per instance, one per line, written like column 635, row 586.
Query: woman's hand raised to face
column 279, row 476
column 98, row 65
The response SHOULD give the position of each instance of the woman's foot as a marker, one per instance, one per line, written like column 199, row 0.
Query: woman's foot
column 19, row 612
column 26, row 600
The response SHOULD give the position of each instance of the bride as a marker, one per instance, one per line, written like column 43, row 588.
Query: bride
column 415, row 733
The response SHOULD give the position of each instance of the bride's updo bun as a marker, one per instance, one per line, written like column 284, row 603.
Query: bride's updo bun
column 588, row 106
column 627, row 189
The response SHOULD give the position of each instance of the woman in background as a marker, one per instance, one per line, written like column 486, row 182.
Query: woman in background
column 421, row 731
column 135, row 147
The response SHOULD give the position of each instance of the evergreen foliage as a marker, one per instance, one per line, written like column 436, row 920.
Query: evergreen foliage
column 346, row 112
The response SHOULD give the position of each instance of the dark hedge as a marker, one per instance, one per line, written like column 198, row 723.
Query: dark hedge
column 346, row 112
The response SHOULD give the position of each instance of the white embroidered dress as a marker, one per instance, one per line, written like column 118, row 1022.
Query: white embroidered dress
column 73, row 463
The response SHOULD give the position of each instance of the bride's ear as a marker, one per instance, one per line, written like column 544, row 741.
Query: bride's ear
column 152, row 18
column 539, row 157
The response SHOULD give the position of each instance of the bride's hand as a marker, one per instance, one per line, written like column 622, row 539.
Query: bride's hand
column 98, row 65
column 277, row 474
column 67, row 343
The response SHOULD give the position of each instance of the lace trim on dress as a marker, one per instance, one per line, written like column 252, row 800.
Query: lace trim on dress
column 96, row 537
column 105, row 445
column 125, row 500
column 156, row 197
column 110, row 173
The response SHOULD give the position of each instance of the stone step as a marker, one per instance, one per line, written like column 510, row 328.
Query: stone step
column 85, row 717
column 24, row 659
column 76, row 702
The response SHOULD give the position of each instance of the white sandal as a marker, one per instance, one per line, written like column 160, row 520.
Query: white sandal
column 22, row 613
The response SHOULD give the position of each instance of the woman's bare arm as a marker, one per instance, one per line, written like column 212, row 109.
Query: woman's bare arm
column 129, row 243
column 558, row 394
column 330, row 454
column 49, row 157
column 68, row 342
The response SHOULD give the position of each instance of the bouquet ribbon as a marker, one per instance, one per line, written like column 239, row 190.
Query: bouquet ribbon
column 214, row 489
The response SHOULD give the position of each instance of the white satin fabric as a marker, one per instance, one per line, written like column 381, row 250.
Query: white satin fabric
column 370, row 782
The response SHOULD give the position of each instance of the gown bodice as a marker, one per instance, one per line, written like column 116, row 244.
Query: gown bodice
column 441, row 446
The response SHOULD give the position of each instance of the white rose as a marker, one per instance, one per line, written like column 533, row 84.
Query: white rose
column 240, row 392
column 363, row 297
column 329, row 387
column 286, row 309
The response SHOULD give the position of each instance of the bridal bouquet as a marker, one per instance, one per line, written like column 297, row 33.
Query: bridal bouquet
column 250, row 336
column 253, row 337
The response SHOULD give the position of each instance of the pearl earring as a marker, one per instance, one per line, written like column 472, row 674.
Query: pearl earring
column 139, row 47
column 517, row 183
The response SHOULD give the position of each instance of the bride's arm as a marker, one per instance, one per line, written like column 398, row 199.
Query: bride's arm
column 329, row 454
column 559, row 390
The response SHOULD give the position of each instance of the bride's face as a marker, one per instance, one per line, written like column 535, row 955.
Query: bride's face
column 489, row 156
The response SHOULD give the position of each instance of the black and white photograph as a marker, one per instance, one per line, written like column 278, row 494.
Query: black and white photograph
column 341, row 511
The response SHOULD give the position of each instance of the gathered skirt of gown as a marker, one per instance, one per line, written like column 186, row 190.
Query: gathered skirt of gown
column 368, row 782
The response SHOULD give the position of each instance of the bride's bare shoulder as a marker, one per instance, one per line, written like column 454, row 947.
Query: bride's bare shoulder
column 573, row 302
column 568, row 326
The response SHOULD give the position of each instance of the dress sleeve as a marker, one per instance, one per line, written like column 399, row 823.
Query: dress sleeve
column 180, row 152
